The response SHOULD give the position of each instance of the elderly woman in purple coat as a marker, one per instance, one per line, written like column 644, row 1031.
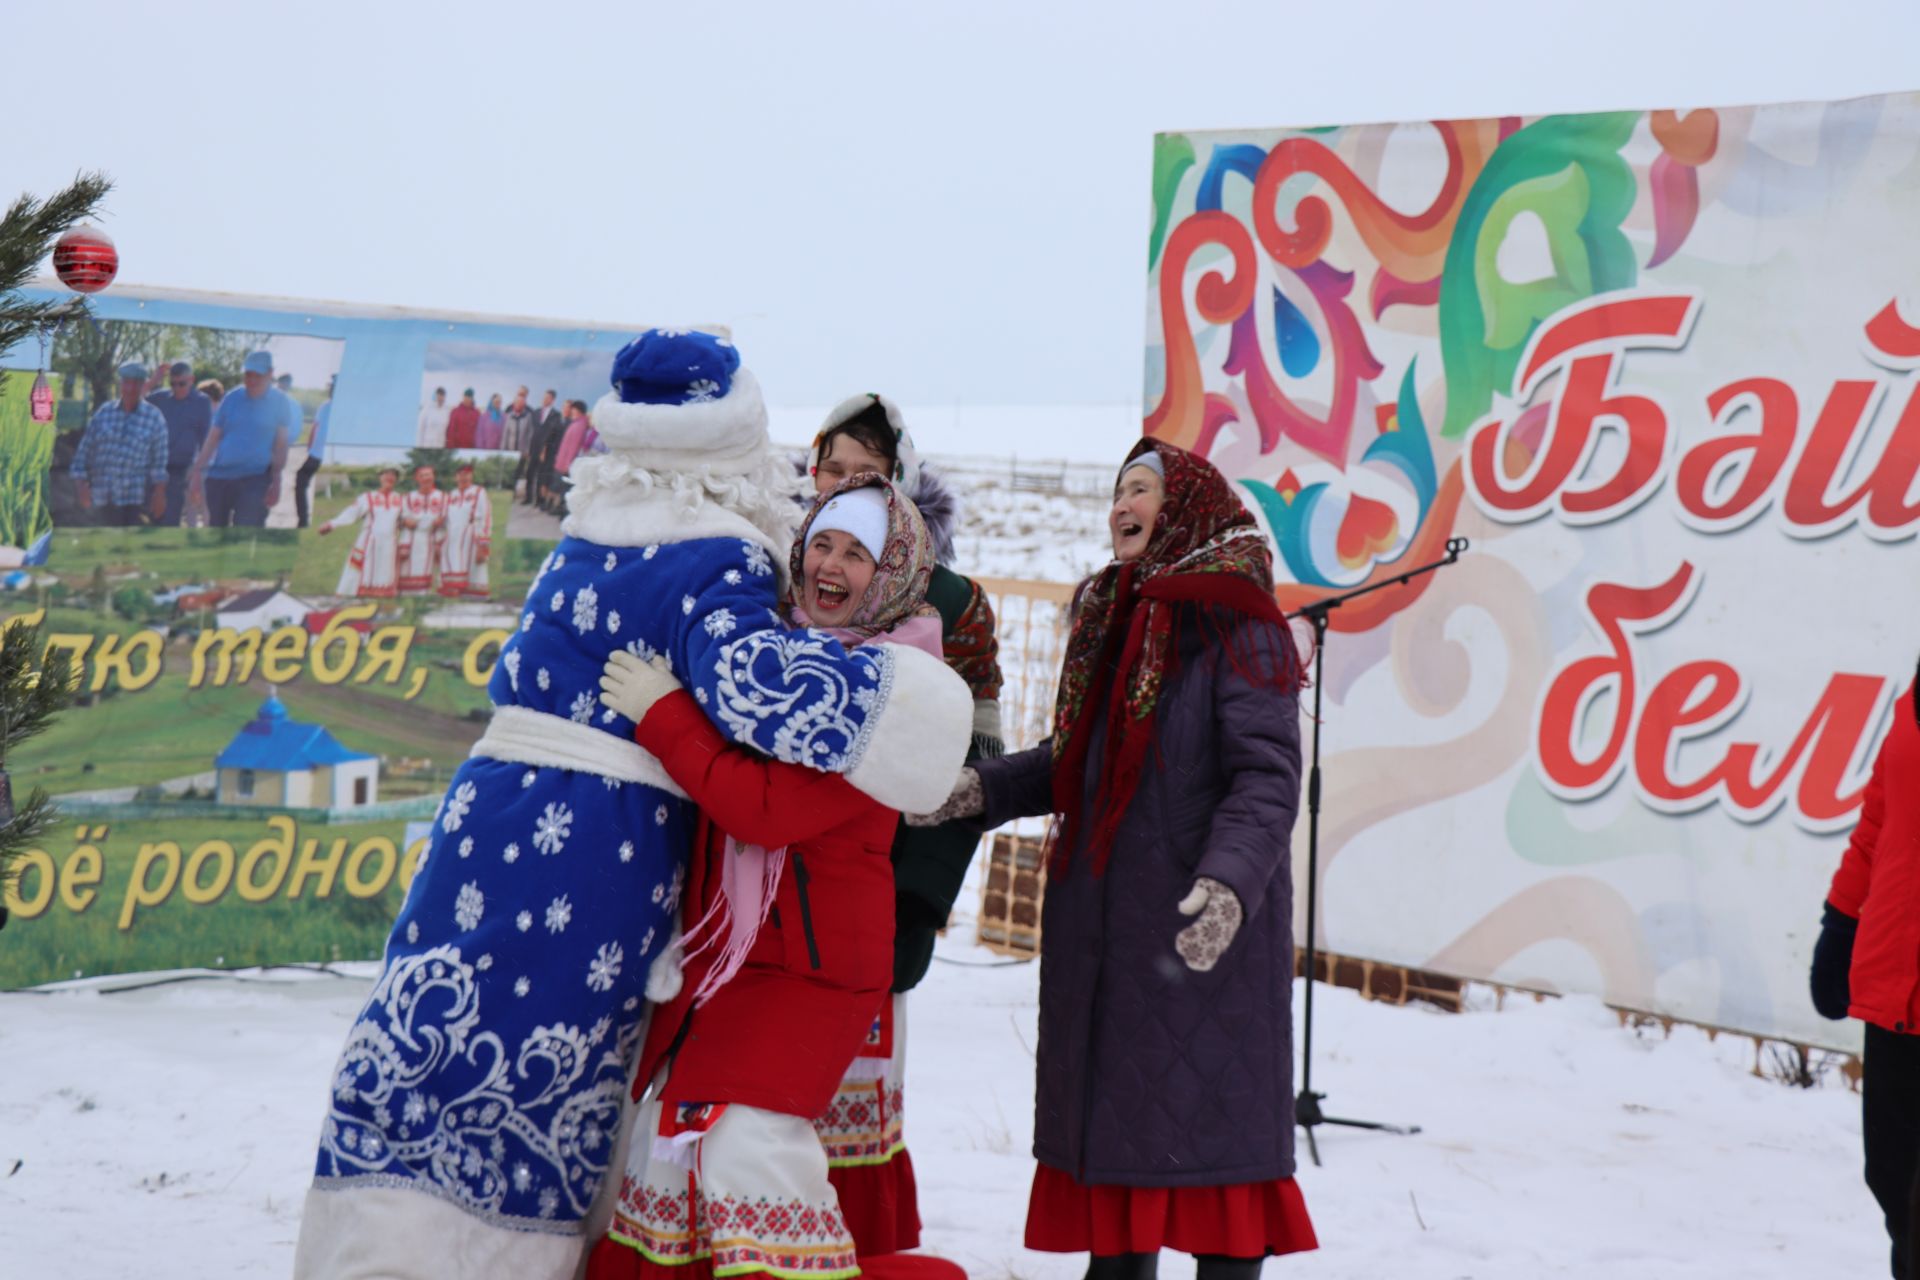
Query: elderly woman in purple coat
column 1163, row 1112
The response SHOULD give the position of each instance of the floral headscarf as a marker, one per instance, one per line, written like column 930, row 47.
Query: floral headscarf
column 901, row 569
column 1205, row 551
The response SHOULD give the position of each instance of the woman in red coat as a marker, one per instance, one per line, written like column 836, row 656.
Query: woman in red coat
column 1867, row 965
column 792, row 957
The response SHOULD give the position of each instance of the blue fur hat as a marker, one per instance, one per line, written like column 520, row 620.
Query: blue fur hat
column 682, row 401
column 674, row 366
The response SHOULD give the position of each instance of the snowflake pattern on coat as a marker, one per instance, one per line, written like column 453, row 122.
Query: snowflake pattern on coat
column 488, row 1066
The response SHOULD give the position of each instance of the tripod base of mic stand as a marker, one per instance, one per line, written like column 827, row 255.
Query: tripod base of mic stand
column 1308, row 1115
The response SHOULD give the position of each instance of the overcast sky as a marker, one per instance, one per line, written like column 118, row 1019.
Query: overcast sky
column 946, row 201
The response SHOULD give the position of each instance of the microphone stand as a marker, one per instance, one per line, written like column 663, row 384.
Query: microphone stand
column 1307, row 1112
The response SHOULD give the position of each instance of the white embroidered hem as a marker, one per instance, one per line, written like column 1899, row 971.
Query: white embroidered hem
column 359, row 1232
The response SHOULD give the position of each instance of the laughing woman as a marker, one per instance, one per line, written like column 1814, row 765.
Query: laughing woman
column 1164, row 1102
column 792, row 957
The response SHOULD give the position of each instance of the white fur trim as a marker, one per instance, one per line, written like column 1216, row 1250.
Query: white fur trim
column 632, row 518
column 920, row 737
column 525, row 736
column 392, row 1233
column 679, row 437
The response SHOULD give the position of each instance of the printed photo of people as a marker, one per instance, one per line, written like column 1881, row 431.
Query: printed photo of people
column 173, row 425
column 425, row 538
column 521, row 402
column 414, row 538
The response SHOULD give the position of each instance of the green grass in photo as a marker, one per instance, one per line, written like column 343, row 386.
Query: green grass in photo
column 173, row 557
column 26, row 452
column 59, row 944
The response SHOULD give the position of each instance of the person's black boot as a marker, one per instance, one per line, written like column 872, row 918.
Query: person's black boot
column 1123, row 1266
column 1214, row 1266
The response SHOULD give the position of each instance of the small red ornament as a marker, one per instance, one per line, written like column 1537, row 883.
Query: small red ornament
column 85, row 259
column 42, row 400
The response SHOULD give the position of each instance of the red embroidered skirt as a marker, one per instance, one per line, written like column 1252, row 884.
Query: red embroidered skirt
column 611, row 1260
column 1245, row 1220
column 864, row 1133
column 880, row 1204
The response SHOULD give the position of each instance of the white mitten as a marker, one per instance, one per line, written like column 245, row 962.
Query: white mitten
column 663, row 975
column 1202, row 943
column 631, row 686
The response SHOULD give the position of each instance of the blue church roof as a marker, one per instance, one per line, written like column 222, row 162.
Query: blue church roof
column 272, row 742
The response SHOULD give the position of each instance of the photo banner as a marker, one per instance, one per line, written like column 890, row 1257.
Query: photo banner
column 267, row 714
column 1659, row 368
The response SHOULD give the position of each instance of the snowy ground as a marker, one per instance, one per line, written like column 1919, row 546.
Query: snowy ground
column 168, row 1133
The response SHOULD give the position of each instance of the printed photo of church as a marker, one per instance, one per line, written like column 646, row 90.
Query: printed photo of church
column 276, row 762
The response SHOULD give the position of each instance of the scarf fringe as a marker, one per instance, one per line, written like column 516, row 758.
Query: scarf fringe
column 743, row 921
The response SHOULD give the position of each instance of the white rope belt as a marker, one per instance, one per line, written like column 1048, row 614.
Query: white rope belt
column 522, row 735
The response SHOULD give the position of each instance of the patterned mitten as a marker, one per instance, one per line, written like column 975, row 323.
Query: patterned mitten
column 967, row 801
column 1202, row 943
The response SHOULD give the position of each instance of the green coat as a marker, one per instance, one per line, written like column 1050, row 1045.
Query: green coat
column 929, row 863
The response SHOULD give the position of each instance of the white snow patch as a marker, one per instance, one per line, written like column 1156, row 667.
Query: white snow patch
column 1555, row 1142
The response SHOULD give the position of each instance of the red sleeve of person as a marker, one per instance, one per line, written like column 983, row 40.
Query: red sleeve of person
column 1867, row 962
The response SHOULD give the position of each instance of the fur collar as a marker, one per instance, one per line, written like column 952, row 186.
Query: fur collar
column 662, row 516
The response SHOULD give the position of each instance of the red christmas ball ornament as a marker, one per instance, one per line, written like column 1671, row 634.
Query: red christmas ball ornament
column 41, row 401
column 85, row 259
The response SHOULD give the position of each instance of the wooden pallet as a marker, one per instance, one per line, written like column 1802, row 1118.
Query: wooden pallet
column 1387, row 983
column 1010, row 895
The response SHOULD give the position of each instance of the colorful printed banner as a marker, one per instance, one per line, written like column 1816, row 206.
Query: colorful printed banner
column 268, row 713
column 1656, row 366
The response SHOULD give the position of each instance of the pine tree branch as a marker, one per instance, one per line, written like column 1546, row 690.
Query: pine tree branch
column 30, row 822
column 35, row 684
column 27, row 233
